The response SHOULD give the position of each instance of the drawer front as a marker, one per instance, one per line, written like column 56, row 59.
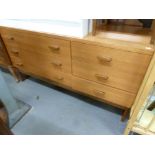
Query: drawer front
column 40, row 62
column 10, row 39
column 1, row 55
column 105, row 93
column 13, row 45
column 58, row 77
column 119, row 69
column 41, row 65
column 39, row 55
column 1, row 61
column 56, row 49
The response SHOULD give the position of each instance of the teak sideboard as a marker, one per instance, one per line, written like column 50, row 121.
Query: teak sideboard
column 110, row 71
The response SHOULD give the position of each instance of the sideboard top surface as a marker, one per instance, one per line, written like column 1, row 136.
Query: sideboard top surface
column 94, row 40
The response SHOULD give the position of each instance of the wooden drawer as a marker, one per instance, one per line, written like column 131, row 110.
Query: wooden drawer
column 37, row 42
column 58, row 77
column 37, row 61
column 1, row 61
column 118, row 97
column 10, row 39
column 12, row 44
column 4, row 60
column 1, row 54
column 13, row 52
column 40, row 43
column 41, row 65
column 112, row 67
column 40, row 48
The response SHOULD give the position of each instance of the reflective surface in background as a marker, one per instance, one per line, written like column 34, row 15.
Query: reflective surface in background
column 146, row 116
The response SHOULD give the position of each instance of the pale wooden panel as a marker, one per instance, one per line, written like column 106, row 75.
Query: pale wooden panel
column 42, row 61
column 125, row 70
column 1, row 61
column 4, row 57
column 60, row 78
column 1, row 58
column 37, row 42
column 40, row 55
column 41, row 65
column 37, row 50
column 116, row 96
column 118, row 44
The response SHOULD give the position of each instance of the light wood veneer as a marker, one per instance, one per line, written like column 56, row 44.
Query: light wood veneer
column 112, row 67
column 108, row 71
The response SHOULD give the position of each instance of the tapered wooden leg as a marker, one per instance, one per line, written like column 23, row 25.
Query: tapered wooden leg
column 23, row 77
column 15, row 73
column 124, row 115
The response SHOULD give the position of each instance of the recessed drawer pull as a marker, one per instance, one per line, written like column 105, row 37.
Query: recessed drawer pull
column 11, row 38
column 15, row 51
column 54, row 48
column 104, row 77
column 55, row 63
column 19, row 64
column 104, row 59
column 98, row 92
column 59, row 78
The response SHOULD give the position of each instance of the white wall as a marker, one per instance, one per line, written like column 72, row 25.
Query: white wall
column 71, row 27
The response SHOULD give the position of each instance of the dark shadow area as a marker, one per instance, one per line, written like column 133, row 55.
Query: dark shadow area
column 86, row 99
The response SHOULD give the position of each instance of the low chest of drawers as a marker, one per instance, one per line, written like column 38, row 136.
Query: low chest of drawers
column 100, row 70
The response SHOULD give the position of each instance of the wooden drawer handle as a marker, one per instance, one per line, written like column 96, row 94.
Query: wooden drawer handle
column 104, row 59
column 56, row 63
column 98, row 92
column 54, row 47
column 60, row 78
column 19, row 64
column 104, row 77
column 11, row 38
column 15, row 51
